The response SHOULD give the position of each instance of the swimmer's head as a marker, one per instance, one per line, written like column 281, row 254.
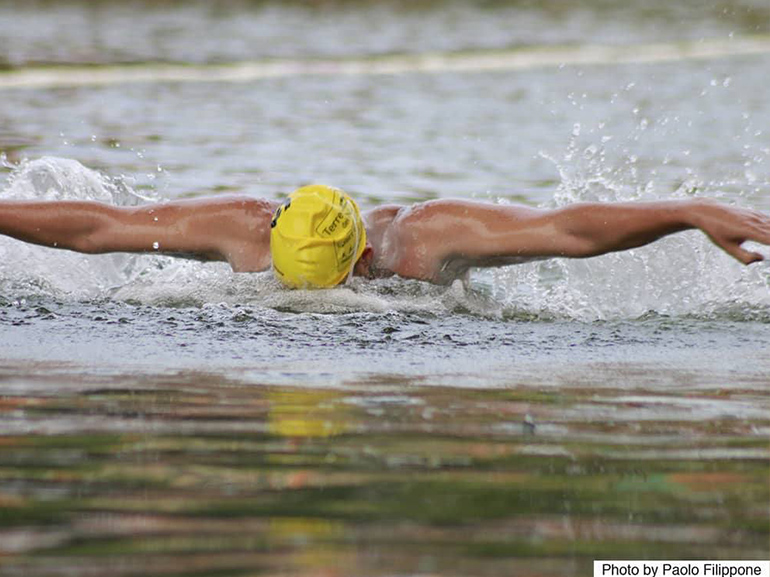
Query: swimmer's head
column 316, row 237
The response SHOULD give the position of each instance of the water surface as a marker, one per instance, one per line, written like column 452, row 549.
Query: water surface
column 160, row 417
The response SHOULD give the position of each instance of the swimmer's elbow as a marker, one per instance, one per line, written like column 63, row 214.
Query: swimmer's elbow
column 573, row 246
column 92, row 236
column 101, row 232
column 89, row 243
column 574, row 234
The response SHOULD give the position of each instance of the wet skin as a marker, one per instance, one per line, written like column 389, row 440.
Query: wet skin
column 436, row 241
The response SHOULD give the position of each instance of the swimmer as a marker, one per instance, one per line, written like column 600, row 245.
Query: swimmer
column 318, row 238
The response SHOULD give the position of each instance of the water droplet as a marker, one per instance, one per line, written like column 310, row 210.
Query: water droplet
column 576, row 129
column 590, row 151
column 156, row 245
column 155, row 219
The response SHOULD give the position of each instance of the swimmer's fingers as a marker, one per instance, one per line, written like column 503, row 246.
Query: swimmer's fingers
column 732, row 245
column 730, row 227
column 758, row 231
column 738, row 252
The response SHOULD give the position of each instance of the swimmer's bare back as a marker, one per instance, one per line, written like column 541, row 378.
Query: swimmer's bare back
column 436, row 241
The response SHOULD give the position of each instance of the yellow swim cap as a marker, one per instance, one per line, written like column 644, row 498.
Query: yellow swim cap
column 317, row 236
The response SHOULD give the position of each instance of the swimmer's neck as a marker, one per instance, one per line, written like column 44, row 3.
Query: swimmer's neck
column 380, row 236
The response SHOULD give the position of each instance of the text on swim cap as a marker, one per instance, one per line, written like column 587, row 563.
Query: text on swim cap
column 340, row 222
column 338, row 219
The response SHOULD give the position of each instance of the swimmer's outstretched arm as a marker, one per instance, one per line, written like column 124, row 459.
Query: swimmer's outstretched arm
column 236, row 230
column 451, row 236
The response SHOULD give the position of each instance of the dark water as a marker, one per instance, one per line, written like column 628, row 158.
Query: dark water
column 192, row 473
column 195, row 31
column 230, row 440
column 166, row 418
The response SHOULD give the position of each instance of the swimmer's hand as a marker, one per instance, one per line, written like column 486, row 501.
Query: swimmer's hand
column 729, row 227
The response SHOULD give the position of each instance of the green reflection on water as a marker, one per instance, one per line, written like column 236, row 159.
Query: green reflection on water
column 199, row 477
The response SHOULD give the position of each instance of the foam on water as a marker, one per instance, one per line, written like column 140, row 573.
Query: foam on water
column 30, row 270
column 678, row 276
column 683, row 274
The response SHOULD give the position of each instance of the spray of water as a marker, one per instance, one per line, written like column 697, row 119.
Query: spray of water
column 680, row 275
column 27, row 270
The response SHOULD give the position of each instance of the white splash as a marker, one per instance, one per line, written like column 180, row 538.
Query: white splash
column 680, row 275
column 684, row 274
column 27, row 269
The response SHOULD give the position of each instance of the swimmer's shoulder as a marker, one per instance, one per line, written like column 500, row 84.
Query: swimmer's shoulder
column 383, row 211
column 381, row 217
